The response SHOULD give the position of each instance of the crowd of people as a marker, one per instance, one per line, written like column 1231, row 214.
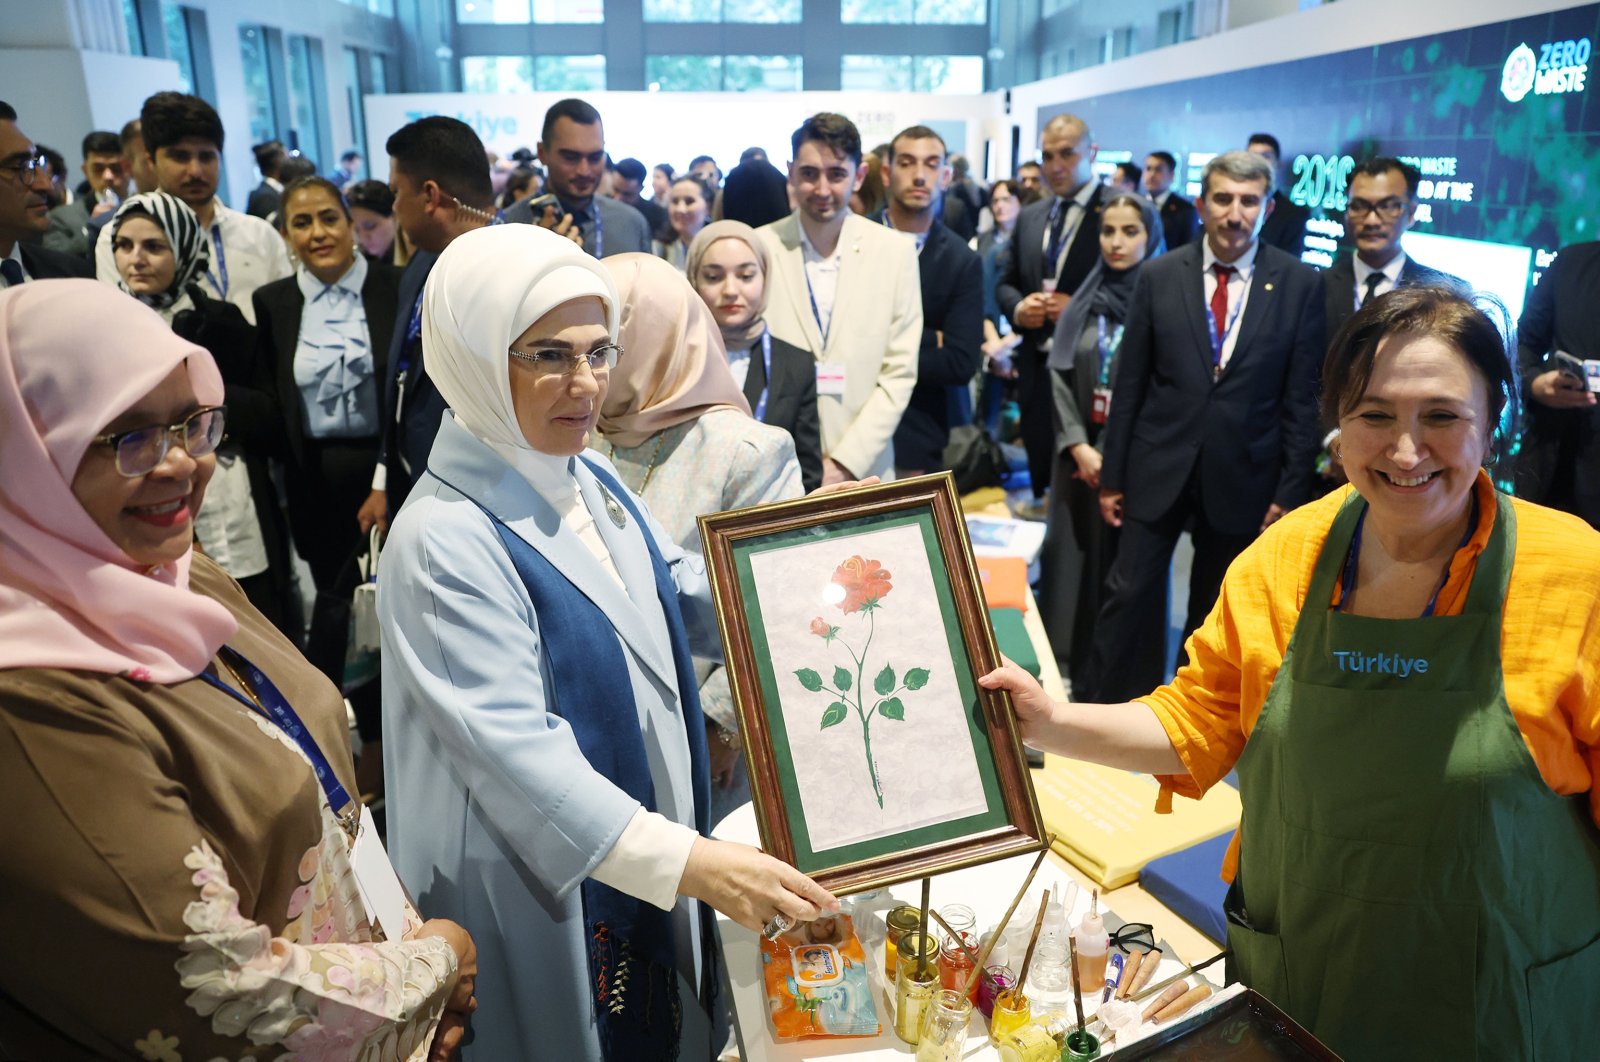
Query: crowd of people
column 530, row 378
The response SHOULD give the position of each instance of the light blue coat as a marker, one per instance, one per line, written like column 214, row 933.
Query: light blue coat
column 495, row 817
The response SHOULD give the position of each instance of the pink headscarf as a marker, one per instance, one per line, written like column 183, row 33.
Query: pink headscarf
column 74, row 355
column 674, row 367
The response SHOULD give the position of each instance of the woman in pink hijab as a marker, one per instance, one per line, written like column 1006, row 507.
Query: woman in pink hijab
column 176, row 774
column 673, row 412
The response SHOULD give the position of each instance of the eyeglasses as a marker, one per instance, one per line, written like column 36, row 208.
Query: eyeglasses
column 1140, row 933
column 1387, row 209
column 559, row 363
column 27, row 169
column 142, row 449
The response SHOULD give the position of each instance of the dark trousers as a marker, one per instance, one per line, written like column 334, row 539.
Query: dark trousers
column 1038, row 415
column 1129, row 658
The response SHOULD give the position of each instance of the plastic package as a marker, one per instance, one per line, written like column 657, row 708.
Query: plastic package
column 818, row 983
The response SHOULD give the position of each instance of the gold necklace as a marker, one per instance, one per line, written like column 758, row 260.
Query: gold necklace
column 649, row 470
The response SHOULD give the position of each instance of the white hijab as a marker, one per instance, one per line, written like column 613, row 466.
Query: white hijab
column 487, row 287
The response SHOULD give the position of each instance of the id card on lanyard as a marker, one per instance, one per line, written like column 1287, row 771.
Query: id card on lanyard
column 376, row 880
column 1107, row 345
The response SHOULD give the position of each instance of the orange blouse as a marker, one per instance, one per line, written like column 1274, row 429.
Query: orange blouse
column 1549, row 644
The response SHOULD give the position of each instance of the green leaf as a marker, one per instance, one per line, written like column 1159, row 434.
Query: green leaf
column 884, row 683
column 809, row 679
column 916, row 678
column 841, row 679
column 892, row 709
column 834, row 715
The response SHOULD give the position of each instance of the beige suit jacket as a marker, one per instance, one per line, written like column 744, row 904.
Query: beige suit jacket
column 875, row 333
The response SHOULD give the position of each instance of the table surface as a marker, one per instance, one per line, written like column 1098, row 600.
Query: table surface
column 987, row 890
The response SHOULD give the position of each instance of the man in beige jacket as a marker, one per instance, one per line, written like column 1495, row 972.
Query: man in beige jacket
column 846, row 289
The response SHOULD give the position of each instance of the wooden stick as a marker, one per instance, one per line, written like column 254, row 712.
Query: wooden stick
column 1173, row 993
column 1027, row 958
column 1147, row 970
column 1130, row 970
column 1185, row 972
column 1077, row 985
column 1183, row 1003
column 999, row 930
column 960, row 942
column 922, row 931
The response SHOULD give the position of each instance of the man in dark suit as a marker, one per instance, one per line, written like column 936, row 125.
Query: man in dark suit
column 1213, row 417
column 627, row 186
column 1286, row 225
column 952, row 300
column 1180, row 222
column 440, row 178
column 1055, row 243
column 107, row 183
column 1559, row 462
column 1382, row 195
column 25, row 211
column 264, row 197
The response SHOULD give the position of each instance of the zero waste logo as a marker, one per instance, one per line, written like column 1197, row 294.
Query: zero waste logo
column 1517, row 76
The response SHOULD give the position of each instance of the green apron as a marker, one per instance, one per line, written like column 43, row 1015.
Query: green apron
column 1409, row 887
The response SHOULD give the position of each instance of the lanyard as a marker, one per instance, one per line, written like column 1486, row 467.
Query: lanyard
column 815, row 312
column 1347, row 583
column 413, row 331
column 1218, row 342
column 766, row 375
column 1108, row 350
column 272, row 703
column 599, row 236
column 219, row 279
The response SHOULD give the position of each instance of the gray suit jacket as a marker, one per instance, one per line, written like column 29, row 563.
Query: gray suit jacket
column 69, row 228
column 622, row 228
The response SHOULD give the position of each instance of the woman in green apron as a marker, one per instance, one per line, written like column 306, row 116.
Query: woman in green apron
column 1406, row 675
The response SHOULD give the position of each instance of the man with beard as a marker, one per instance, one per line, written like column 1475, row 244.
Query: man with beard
column 1213, row 423
column 572, row 147
column 25, row 212
column 847, row 290
column 952, row 302
column 183, row 139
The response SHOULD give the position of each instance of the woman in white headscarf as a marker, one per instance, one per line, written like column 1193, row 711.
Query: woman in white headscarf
column 544, row 747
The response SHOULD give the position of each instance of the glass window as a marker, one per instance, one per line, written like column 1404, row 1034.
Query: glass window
column 952, row 12
column 130, row 15
column 177, row 31
column 951, row 74
column 722, row 10
column 569, row 73
column 492, row 11
column 304, row 97
column 530, row 10
column 875, row 73
column 257, row 83
column 717, row 73
column 352, row 96
column 497, row 73
column 944, row 12
column 378, row 73
column 761, row 73
column 520, row 73
column 683, row 73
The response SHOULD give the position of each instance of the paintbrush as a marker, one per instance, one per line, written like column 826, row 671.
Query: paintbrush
column 999, row 930
column 1150, row 990
column 922, row 931
column 1027, row 958
column 1077, row 984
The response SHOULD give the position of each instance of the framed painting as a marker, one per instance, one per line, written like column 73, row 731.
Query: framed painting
column 855, row 630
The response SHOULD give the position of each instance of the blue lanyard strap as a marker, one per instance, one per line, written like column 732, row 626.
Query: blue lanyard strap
column 1347, row 583
column 219, row 279
column 766, row 375
column 1218, row 342
column 815, row 312
column 270, row 702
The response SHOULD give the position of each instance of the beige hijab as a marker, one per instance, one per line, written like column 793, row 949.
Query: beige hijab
column 735, row 338
column 674, row 368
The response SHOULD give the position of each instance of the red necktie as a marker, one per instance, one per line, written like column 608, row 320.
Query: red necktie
column 1219, row 309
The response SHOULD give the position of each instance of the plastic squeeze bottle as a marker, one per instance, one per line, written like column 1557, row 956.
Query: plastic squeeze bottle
column 1093, row 945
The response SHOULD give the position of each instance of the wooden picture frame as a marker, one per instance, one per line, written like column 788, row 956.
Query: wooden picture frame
column 823, row 599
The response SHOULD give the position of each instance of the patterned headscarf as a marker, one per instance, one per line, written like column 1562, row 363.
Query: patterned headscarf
column 189, row 244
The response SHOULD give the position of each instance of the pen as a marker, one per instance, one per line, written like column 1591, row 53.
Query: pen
column 1113, row 975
